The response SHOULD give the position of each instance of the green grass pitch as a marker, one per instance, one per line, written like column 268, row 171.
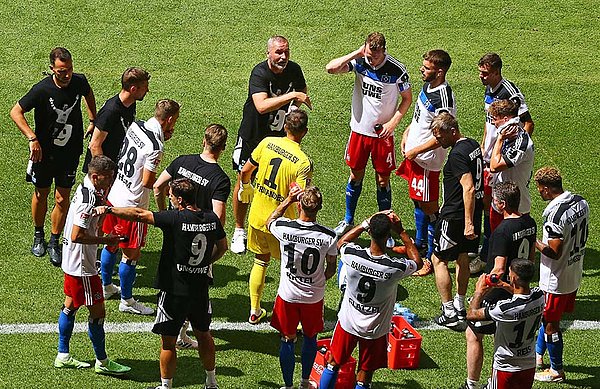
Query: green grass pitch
column 201, row 53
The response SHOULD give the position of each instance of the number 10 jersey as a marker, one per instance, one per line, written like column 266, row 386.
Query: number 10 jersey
column 371, row 284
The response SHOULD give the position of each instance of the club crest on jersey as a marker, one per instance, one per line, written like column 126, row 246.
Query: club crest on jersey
column 371, row 90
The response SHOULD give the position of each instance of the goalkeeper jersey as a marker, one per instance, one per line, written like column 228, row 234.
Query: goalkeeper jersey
column 280, row 162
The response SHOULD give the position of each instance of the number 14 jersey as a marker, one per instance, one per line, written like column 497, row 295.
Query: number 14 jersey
column 371, row 284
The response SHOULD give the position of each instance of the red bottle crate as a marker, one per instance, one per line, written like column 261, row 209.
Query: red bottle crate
column 403, row 353
column 347, row 375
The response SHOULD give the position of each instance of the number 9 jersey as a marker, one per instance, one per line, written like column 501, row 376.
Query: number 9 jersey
column 280, row 162
column 142, row 149
column 371, row 284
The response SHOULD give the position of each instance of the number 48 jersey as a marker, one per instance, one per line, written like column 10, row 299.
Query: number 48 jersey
column 189, row 239
column 142, row 149
column 371, row 284
column 304, row 247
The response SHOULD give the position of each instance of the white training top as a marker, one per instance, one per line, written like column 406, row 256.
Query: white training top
column 142, row 149
column 371, row 284
column 80, row 259
column 565, row 218
column 304, row 246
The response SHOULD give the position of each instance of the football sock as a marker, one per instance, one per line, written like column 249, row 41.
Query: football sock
column 127, row 277
column 166, row 383
column 287, row 360
column 449, row 308
column 353, row 189
column 54, row 238
column 39, row 231
column 66, row 322
column 362, row 385
column 211, row 378
column 420, row 226
column 554, row 342
column 107, row 263
column 459, row 302
column 96, row 334
column 431, row 222
column 309, row 351
column 384, row 198
column 257, row 283
column 329, row 377
column 540, row 344
column 472, row 384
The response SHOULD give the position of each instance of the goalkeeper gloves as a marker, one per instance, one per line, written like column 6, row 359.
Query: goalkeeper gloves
column 245, row 193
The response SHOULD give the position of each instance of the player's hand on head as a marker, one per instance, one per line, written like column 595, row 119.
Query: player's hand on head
column 295, row 192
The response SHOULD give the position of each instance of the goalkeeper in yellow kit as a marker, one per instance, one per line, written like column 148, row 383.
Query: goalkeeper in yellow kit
column 280, row 162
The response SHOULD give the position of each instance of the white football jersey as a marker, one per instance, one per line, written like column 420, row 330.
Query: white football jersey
column 376, row 93
column 304, row 246
column 371, row 284
column 517, row 322
column 142, row 149
column 80, row 259
column 565, row 218
column 430, row 103
column 505, row 90
column 518, row 154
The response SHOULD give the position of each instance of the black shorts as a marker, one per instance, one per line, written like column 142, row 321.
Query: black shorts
column 173, row 310
column 489, row 300
column 241, row 153
column 449, row 239
column 61, row 171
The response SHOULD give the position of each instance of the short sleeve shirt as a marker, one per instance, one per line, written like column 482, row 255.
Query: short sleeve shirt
column 512, row 239
column 188, row 241
column 57, row 115
column 255, row 126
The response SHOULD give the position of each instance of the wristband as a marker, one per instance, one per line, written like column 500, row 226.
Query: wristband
column 109, row 209
column 32, row 139
column 365, row 225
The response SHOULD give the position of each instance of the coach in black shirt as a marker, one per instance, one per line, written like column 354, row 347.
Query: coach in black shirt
column 56, row 144
column 192, row 240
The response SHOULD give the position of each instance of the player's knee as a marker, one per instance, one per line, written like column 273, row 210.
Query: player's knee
column 168, row 342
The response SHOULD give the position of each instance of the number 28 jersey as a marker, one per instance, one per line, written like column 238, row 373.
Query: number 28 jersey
column 280, row 162
column 142, row 149
column 371, row 284
column 189, row 239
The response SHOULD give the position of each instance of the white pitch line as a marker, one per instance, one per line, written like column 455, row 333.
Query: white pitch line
column 52, row 328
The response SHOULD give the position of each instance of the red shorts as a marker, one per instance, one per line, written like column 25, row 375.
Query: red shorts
column 135, row 231
column 423, row 184
column 512, row 379
column 84, row 290
column 372, row 353
column 286, row 317
column 557, row 304
column 487, row 189
column 359, row 147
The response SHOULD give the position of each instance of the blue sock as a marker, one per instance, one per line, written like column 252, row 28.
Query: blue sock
column 353, row 190
column 329, row 377
column 127, row 276
column 384, row 198
column 431, row 222
column 96, row 334
column 309, row 351
column 487, row 231
column 66, row 322
column 540, row 344
column 361, row 385
column 420, row 226
column 554, row 343
column 107, row 263
column 287, row 360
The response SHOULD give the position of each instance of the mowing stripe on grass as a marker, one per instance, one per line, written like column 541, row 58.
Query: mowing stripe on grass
column 49, row 328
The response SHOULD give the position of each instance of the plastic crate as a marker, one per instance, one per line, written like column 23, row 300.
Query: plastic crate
column 403, row 353
column 347, row 375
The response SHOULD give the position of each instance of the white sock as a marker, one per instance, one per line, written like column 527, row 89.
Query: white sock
column 472, row 384
column 166, row 382
column 459, row 302
column 129, row 301
column 101, row 362
column 211, row 378
column 449, row 309
column 63, row 356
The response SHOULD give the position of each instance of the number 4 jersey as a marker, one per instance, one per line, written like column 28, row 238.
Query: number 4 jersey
column 304, row 247
column 371, row 284
column 189, row 239
column 565, row 218
column 142, row 149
